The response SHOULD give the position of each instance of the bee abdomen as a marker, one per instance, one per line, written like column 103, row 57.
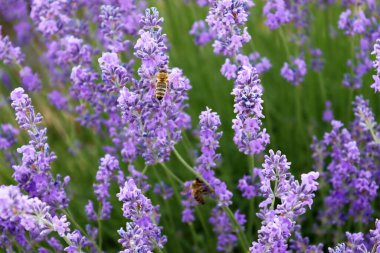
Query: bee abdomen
column 160, row 90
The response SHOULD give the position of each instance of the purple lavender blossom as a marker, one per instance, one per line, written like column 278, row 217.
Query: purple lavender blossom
column 209, row 138
column 277, row 13
column 163, row 190
column 20, row 214
column 250, row 185
column 109, row 165
column 328, row 114
column 225, row 19
column 8, row 53
column 302, row 244
column 295, row 71
column 248, row 90
column 57, row 99
column 51, row 17
column 142, row 232
column 33, row 174
column 188, row 203
column 7, row 136
column 279, row 220
column 375, row 236
column 23, row 31
column 353, row 23
column 12, row 10
column 317, row 61
column 111, row 27
column 376, row 65
column 353, row 186
column 30, row 80
column 153, row 127
column 201, row 33
column 224, row 230
column 230, row 70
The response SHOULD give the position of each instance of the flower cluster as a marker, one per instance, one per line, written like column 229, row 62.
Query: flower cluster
column 142, row 233
column 294, row 72
column 351, row 172
column 8, row 52
column 277, row 13
column 250, row 185
column 33, row 174
column 163, row 190
column 20, row 214
column 248, row 90
column 353, row 23
column 230, row 70
column 224, row 20
column 376, row 65
column 293, row 198
column 112, row 28
column 52, row 17
column 153, row 127
column 30, row 81
column 109, row 165
column 7, row 136
column 209, row 138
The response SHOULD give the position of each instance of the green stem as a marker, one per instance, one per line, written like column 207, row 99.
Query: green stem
column 274, row 193
column 374, row 248
column 144, row 170
column 194, row 235
column 251, row 201
column 322, row 86
column 168, row 171
column 284, row 42
column 176, row 194
column 100, row 231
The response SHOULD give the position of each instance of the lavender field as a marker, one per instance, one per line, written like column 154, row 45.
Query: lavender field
column 175, row 126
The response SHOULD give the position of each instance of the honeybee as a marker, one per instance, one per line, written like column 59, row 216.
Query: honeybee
column 162, row 82
column 198, row 190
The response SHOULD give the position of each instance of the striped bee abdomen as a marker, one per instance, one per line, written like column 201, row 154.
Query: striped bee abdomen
column 161, row 84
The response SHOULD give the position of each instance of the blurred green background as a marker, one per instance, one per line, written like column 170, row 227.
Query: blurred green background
column 293, row 117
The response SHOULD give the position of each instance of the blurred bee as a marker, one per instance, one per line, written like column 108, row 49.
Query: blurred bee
column 198, row 190
column 162, row 82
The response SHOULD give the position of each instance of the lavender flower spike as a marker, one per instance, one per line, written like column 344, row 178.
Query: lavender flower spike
column 376, row 65
column 9, row 53
column 33, row 174
column 279, row 220
column 248, row 90
column 142, row 233
column 107, row 168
